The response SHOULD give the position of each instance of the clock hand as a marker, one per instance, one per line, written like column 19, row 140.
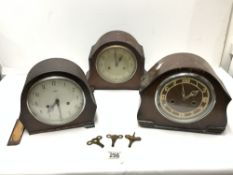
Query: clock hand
column 115, row 58
column 51, row 107
column 119, row 60
column 183, row 92
column 57, row 101
column 193, row 93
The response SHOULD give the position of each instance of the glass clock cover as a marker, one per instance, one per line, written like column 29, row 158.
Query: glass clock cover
column 116, row 64
column 56, row 100
column 185, row 97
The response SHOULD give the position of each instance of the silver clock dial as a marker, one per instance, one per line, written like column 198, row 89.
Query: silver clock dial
column 55, row 100
column 116, row 64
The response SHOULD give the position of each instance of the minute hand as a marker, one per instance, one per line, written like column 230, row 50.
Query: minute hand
column 59, row 108
column 183, row 92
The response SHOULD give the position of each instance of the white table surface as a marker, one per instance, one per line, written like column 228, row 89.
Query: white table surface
column 66, row 152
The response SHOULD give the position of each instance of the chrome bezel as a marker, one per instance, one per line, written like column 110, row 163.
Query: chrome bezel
column 64, row 121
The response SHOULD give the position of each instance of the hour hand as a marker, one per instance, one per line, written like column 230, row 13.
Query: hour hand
column 51, row 107
column 193, row 93
column 118, row 60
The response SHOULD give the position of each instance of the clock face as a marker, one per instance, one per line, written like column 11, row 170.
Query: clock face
column 185, row 97
column 116, row 64
column 55, row 100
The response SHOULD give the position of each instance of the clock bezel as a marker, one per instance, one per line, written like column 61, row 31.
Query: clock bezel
column 52, row 78
column 185, row 74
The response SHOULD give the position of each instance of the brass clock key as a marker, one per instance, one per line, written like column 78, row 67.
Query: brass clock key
column 96, row 141
column 114, row 138
column 132, row 139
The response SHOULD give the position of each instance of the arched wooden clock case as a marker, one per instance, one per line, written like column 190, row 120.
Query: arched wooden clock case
column 182, row 92
column 50, row 71
column 122, row 72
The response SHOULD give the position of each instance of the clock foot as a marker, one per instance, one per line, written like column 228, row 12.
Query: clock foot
column 90, row 125
column 16, row 134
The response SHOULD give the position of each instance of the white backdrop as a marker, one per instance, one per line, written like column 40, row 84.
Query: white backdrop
column 227, row 62
column 32, row 30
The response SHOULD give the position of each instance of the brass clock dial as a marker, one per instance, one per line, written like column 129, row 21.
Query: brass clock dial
column 55, row 96
column 185, row 97
column 116, row 64
column 182, row 92
column 116, row 61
